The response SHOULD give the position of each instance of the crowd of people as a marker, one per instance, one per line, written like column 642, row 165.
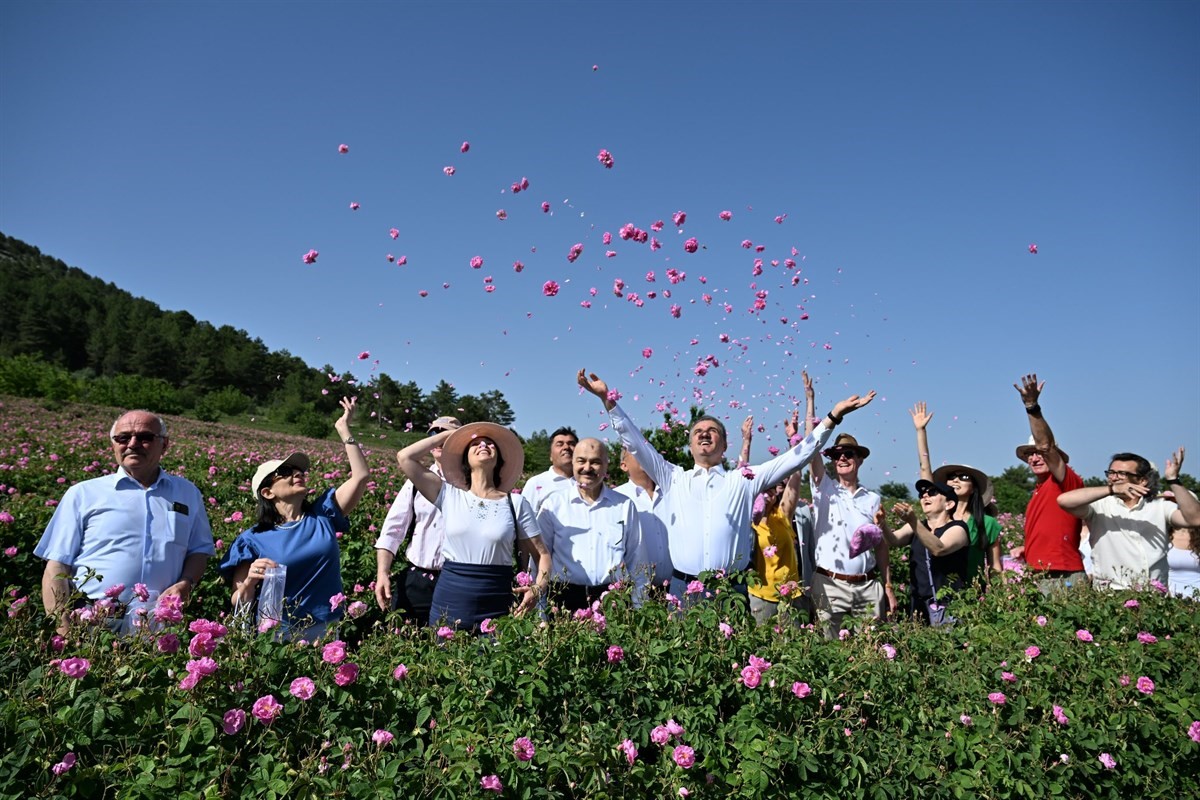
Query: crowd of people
column 478, row 549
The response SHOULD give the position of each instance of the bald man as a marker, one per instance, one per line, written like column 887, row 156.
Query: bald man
column 592, row 532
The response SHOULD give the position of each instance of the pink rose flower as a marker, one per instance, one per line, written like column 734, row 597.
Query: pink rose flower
column 74, row 667
column 605, row 158
column 660, row 735
column 726, row 215
column 1008, row 677
column 631, row 752
column 400, row 672
column 334, row 652
column 303, row 688
column 445, row 632
column 266, row 709
column 997, row 698
column 167, row 643
column 691, row 245
column 487, row 626
column 356, row 609
column 801, row 690
column 1108, row 761
column 684, row 756
column 68, row 761
column 1059, row 716
column 888, row 651
column 523, row 749
column 674, row 728
column 1083, row 635
column 346, row 674
column 1032, row 652
column 1145, row 685
column 615, row 654
column 169, row 608
column 695, row 587
column 1146, row 638
column 491, row 783
column 202, row 644
column 476, row 262
column 550, row 288
column 382, row 738
column 524, row 579
column 751, row 677
column 1131, row 603
column 966, row 720
column 1193, row 731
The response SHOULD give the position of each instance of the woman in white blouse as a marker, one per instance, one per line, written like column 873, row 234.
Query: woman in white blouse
column 482, row 520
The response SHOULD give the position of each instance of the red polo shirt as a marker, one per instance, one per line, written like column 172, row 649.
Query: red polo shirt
column 1051, row 534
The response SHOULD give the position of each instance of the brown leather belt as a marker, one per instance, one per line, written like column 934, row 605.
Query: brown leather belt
column 847, row 578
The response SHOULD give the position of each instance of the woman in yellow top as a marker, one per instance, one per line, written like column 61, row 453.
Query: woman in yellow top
column 774, row 556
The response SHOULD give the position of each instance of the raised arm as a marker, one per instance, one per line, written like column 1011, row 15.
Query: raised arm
column 1188, row 513
column 1077, row 501
column 426, row 481
column 658, row 468
column 1043, row 438
column 350, row 492
column 747, row 435
column 791, row 489
column 904, row 534
column 768, row 474
column 810, row 410
column 920, row 421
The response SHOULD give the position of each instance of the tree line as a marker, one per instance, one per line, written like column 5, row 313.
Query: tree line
column 69, row 336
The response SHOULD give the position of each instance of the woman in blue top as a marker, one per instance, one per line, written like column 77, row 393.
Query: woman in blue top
column 298, row 532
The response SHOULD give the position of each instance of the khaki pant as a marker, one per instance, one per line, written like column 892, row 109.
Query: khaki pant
column 834, row 599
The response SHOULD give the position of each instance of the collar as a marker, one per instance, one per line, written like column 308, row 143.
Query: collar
column 719, row 469
column 122, row 475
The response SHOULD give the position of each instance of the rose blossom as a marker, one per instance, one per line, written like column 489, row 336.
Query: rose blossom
column 267, row 709
column 65, row 765
column 801, row 690
column 400, row 673
column 303, row 688
column 1083, row 635
column 998, row 698
column 382, row 737
column 1193, row 731
column 630, row 750
column 346, row 674
column 616, row 654
column 523, row 749
column 491, row 783
column 1108, row 761
column 1145, row 685
column 233, row 721
column 1032, row 652
column 660, row 735
column 74, row 667
column 684, row 756
column 334, row 652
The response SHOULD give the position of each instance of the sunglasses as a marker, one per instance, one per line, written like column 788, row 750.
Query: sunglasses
column 286, row 471
column 929, row 493
column 965, row 477
column 838, row 455
column 143, row 437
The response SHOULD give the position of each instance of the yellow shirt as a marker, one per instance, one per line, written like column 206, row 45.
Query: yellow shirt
column 774, row 530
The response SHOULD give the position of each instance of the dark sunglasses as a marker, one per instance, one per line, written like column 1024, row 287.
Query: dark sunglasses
column 928, row 492
column 286, row 471
column 143, row 437
column 840, row 453
column 965, row 477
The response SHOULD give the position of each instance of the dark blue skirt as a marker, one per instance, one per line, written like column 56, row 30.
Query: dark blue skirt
column 467, row 594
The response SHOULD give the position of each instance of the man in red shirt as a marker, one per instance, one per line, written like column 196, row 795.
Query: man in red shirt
column 1051, row 548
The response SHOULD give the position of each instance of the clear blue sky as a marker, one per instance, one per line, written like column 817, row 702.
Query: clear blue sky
column 188, row 152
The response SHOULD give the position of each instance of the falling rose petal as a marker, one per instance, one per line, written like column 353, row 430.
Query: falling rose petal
column 476, row 262
column 703, row 279
column 658, row 225
column 524, row 183
column 445, row 285
column 650, row 276
column 394, row 233
column 606, row 238
column 489, row 288
column 518, row 266
column 585, row 303
column 758, row 248
column 545, row 207
column 423, row 293
column 594, row 68
column 605, row 158
column 592, row 291
column 487, row 279
column 679, row 218
column 364, row 355
column 390, row 257
column 610, row 253
column 343, row 148
column 779, row 219
column 465, row 147
column 773, row 450
column 618, row 285
column 576, row 251
column 747, row 244
column 310, row 257
column 726, row 215
column 1033, row 249
column 691, row 245
column 401, row 261
column 651, row 295
column 502, row 215
column 694, row 342
column 448, row 170
column 647, row 352
column 354, row 206
column 707, row 298
column 676, row 310
column 516, row 187
column 550, row 288
column 655, row 244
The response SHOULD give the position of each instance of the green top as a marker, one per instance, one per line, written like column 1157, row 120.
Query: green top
column 976, row 558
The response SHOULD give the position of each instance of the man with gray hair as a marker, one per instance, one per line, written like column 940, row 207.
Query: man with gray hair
column 708, row 508
column 137, row 531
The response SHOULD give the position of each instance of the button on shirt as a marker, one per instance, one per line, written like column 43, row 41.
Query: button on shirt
column 839, row 513
column 591, row 542
column 708, row 511
column 128, row 534
column 425, row 549
column 1129, row 545
column 655, row 550
column 539, row 487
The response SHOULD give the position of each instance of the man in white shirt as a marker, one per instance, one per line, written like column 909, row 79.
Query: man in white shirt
column 1129, row 526
column 558, row 477
column 412, row 515
column 643, row 491
column 592, row 532
column 707, row 508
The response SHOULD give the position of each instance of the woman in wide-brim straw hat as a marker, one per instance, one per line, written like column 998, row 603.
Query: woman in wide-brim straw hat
column 975, row 506
column 482, row 520
column 299, row 531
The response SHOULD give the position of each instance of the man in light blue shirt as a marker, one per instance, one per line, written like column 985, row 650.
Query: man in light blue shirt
column 707, row 508
column 139, row 525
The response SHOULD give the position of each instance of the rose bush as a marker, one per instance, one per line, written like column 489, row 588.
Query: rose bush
column 703, row 701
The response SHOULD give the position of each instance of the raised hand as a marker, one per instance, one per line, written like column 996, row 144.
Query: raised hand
column 748, row 427
column 791, row 425
column 808, row 387
column 593, row 384
column 919, row 415
column 343, row 422
column 852, row 403
column 1174, row 464
column 1029, row 389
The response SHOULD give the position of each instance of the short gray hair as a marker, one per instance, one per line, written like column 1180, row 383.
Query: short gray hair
column 162, row 423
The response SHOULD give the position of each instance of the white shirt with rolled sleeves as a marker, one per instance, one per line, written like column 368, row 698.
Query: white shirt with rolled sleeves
column 539, row 487
column 838, row 513
column 1129, row 545
column 118, row 529
column 480, row 531
column 708, row 511
column 657, row 552
column 425, row 549
column 593, row 544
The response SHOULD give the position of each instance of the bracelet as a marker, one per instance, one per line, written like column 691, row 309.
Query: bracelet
column 351, row 440
column 1172, row 480
column 1034, row 410
column 833, row 419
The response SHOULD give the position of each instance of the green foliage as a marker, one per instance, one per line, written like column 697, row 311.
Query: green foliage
column 894, row 491
column 1013, row 489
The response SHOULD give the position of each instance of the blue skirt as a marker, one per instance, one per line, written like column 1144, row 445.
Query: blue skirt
column 467, row 594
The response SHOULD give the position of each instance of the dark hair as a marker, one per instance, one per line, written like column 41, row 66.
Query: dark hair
column 565, row 431
column 269, row 518
column 466, row 465
column 1144, row 470
column 708, row 418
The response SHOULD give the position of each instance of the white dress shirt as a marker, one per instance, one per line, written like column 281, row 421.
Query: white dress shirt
column 708, row 511
column 425, row 549
column 838, row 514
column 592, row 544
column 656, row 551
column 1129, row 545
column 539, row 487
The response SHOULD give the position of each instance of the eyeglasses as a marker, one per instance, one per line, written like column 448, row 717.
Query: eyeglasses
column 964, row 477
column 143, row 437
column 1121, row 474
column 286, row 471
column 838, row 455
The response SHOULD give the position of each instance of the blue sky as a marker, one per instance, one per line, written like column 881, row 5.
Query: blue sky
column 188, row 152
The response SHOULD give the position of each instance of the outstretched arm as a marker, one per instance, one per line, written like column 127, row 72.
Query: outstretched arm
column 747, row 435
column 350, row 492
column 902, row 535
column 920, row 421
column 810, row 409
column 954, row 538
column 426, row 481
column 657, row 467
column 768, row 474
column 791, row 489
column 1043, row 439
column 1188, row 513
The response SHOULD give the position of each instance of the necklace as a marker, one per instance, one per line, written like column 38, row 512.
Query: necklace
column 287, row 526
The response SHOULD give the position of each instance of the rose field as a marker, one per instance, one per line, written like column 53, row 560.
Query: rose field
column 1084, row 695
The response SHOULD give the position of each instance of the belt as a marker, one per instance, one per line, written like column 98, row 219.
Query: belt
column 430, row 572
column 870, row 576
column 683, row 576
column 599, row 587
column 1055, row 573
